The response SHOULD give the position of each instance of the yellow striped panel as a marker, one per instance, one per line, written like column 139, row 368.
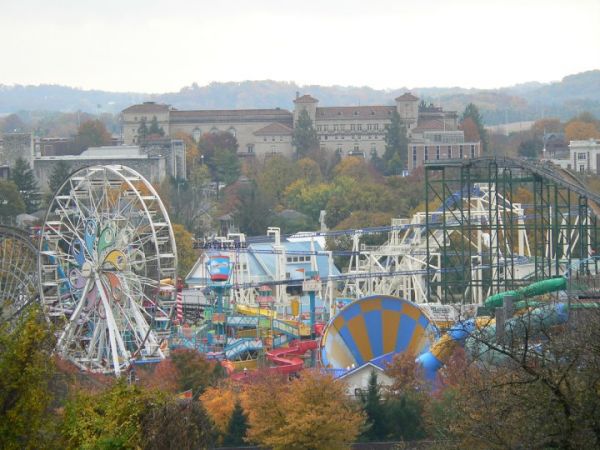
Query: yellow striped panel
column 358, row 330
column 391, row 323
column 371, row 305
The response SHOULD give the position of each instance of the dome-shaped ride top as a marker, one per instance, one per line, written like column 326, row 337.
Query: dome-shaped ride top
column 372, row 327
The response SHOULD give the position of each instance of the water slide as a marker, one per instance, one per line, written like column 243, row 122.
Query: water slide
column 459, row 334
column 239, row 346
column 288, row 359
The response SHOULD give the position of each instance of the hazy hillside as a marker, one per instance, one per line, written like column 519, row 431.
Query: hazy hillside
column 526, row 101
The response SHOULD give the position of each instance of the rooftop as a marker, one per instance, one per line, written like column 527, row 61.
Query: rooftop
column 147, row 107
column 407, row 97
column 355, row 112
column 274, row 129
column 306, row 99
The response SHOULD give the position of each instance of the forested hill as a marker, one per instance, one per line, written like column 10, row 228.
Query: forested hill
column 563, row 99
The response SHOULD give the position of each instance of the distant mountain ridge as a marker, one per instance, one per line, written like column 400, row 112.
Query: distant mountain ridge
column 526, row 101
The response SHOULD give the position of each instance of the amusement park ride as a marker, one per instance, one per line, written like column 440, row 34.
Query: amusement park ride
column 105, row 266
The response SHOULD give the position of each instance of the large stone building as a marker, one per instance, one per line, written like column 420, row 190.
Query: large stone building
column 347, row 130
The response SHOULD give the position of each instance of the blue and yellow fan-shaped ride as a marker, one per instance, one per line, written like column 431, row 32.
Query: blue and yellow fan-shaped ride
column 372, row 327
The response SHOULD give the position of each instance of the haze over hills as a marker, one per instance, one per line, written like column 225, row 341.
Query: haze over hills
column 526, row 101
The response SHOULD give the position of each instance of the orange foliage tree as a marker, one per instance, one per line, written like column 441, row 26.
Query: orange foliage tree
column 219, row 403
column 579, row 130
column 307, row 413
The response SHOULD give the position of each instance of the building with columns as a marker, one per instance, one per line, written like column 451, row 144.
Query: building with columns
column 346, row 130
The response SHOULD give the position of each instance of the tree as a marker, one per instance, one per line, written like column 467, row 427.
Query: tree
column 23, row 177
column 541, row 379
column 577, row 130
column 143, row 130
column 374, row 412
column 186, row 255
column 177, row 425
column 302, row 414
column 11, row 202
column 13, row 123
column 26, row 368
column 109, row 419
column 192, row 153
column 220, row 403
column 220, row 154
column 237, row 427
column 194, row 371
column 252, row 213
column 60, row 172
column 395, row 157
column 92, row 133
column 305, row 137
column 354, row 167
column 277, row 173
column 471, row 111
column 155, row 128
column 530, row 148
column 308, row 198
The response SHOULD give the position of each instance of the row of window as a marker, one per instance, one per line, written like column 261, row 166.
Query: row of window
column 298, row 259
column 325, row 137
column 353, row 127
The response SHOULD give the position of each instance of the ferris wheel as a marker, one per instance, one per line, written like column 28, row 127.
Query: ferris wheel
column 18, row 272
column 108, row 263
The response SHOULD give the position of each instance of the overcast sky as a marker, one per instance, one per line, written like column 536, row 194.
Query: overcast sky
column 159, row 46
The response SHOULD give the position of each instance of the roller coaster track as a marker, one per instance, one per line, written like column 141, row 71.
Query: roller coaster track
column 559, row 176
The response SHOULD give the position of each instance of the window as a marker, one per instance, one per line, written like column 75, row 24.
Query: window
column 359, row 127
column 342, row 127
column 414, row 156
column 338, row 150
column 581, row 156
column 196, row 134
column 265, row 139
column 273, row 149
column 472, row 151
column 325, row 137
column 460, row 151
column 335, row 128
column 449, row 152
column 437, row 152
column 582, row 168
column 376, row 126
column 232, row 131
column 324, row 127
column 356, row 149
column 426, row 157
column 352, row 127
column 373, row 147
column 318, row 127
column 250, row 148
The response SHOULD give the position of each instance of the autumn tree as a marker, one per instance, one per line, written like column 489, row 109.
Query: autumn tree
column 277, row 173
column 109, row 419
column 305, row 137
column 186, row 255
column 308, row 198
column 194, row 371
column 220, row 402
column 539, row 378
column 92, row 133
column 395, row 157
column 192, row 154
column 302, row 414
column 471, row 111
column 252, row 214
column 11, row 202
column 577, row 130
column 13, row 123
column 23, row 177
column 26, row 369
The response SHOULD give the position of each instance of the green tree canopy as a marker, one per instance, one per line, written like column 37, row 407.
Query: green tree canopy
column 237, row 427
column 11, row 202
column 395, row 157
column 60, row 172
column 155, row 128
column 23, row 177
column 305, row 136
column 472, row 111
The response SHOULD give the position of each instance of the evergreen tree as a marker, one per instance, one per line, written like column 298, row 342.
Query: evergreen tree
column 11, row 202
column 237, row 427
column 305, row 136
column 395, row 156
column 373, row 408
column 225, row 166
column 143, row 130
column 473, row 112
column 23, row 177
column 155, row 128
column 60, row 172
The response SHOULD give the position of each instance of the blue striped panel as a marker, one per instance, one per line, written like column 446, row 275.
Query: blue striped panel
column 351, row 344
column 374, row 326
column 405, row 332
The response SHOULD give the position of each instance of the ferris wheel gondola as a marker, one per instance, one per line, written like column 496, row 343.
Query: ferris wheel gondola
column 105, row 246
